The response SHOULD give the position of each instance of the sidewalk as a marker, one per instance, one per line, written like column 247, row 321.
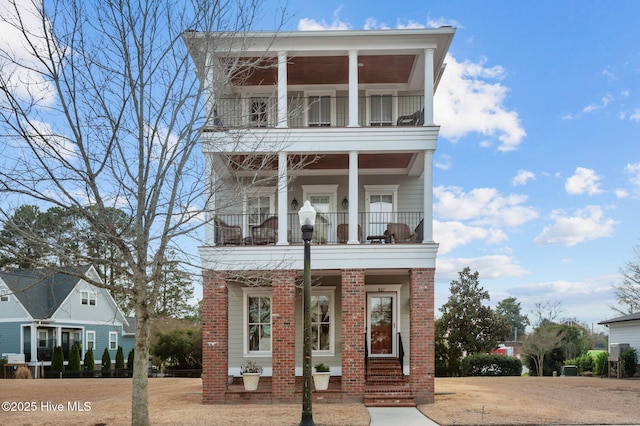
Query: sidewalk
column 395, row 416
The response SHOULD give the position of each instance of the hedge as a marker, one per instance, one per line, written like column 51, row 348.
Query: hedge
column 491, row 365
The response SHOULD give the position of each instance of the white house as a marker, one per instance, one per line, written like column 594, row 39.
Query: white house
column 343, row 119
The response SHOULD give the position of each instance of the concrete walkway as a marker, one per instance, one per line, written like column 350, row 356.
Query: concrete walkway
column 396, row 416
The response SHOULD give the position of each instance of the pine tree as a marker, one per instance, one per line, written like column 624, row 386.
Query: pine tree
column 89, row 362
column 74, row 358
column 130, row 359
column 106, row 363
column 57, row 360
column 119, row 362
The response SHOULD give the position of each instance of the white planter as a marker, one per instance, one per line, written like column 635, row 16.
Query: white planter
column 250, row 381
column 321, row 380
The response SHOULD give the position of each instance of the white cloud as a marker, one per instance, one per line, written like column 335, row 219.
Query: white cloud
column 470, row 98
column 621, row 193
column 443, row 22
column 482, row 206
column 24, row 81
column 604, row 102
column 489, row 267
column 372, row 24
column 307, row 24
column 48, row 143
column 410, row 25
column 583, row 181
column 443, row 162
column 634, row 171
column 635, row 115
column 453, row 234
column 523, row 177
column 585, row 224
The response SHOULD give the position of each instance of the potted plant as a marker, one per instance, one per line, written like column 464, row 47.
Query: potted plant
column 321, row 376
column 250, row 372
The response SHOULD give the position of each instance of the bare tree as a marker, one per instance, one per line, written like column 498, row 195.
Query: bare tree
column 628, row 289
column 547, row 312
column 100, row 106
column 543, row 340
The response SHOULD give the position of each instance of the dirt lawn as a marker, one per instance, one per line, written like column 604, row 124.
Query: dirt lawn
column 474, row 400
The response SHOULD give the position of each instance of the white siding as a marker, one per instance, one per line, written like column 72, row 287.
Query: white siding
column 625, row 332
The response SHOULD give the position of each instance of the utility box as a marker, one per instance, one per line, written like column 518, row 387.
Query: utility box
column 616, row 349
column 569, row 370
column 15, row 358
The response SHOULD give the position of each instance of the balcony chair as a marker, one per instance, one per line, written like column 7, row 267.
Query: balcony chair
column 415, row 119
column 400, row 233
column 266, row 232
column 227, row 234
column 343, row 233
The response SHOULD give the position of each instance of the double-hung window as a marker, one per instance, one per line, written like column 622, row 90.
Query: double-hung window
column 257, row 321
column 322, row 320
column 91, row 340
column 88, row 298
column 320, row 110
column 381, row 110
column 43, row 339
column 113, row 340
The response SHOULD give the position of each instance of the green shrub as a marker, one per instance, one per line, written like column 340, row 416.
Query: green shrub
column 130, row 359
column 106, row 363
column 74, row 358
column 629, row 361
column 491, row 365
column 57, row 359
column 600, row 363
column 120, row 358
column 89, row 361
column 583, row 362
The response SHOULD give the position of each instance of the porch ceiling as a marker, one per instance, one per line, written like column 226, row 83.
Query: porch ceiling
column 380, row 162
column 313, row 70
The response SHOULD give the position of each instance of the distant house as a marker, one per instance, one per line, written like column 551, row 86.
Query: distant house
column 40, row 309
column 624, row 329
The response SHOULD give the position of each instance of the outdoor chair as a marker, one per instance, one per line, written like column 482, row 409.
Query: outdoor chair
column 227, row 234
column 400, row 233
column 415, row 119
column 266, row 232
column 343, row 233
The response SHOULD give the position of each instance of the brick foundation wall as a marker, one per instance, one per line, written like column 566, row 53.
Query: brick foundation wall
column 215, row 338
column 422, row 346
column 353, row 341
column 283, row 338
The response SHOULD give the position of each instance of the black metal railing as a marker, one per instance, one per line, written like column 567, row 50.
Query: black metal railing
column 401, row 353
column 316, row 111
column 330, row 228
column 366, row 352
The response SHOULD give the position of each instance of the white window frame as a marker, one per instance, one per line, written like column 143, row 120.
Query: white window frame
column 370, row 190
column 46, row 338
column 89, row 296
column 113, row 340
column 247, row 102
column 329, row 291
column 332, row 106
column 247, row 293
column 4, row 298
column 253, row 193
column 91, row 340
column 394, row 104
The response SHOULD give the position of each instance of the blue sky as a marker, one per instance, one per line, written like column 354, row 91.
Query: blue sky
column 538, row 164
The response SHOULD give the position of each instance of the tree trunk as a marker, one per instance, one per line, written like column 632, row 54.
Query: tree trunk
column 139, row 400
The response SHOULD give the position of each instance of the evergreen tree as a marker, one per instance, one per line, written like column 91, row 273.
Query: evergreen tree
column 74, row 358
column 119, row 360
column 89, row 361
column 130, row 359
column 57, row 359
column 106, row 363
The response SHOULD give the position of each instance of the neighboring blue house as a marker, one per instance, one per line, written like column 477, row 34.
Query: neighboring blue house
column 40, row 309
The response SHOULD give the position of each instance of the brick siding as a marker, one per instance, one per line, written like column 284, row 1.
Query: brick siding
column 283, row 337
column 422, row 347
column 353, row 341
column 215, row 337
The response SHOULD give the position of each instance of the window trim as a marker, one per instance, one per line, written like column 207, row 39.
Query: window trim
column 91, row 298
column 46, row 339
column 394, row 105
column 92, row 340
column 329, row 291
column 308, row 94
column 254, row 292
column 115, row 340
column 4, row 298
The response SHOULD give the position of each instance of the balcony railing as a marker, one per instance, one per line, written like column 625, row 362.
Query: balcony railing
column 330, row 228
column 319, row 111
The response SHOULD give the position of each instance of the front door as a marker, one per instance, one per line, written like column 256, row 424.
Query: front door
column 381, row 324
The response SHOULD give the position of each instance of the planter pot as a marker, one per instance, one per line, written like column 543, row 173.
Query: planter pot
column 321, row 380
column 250, row 381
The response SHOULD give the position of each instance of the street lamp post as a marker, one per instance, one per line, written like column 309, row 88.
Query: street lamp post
column 307, row 216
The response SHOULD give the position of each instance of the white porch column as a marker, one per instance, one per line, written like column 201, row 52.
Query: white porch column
column 282, row 199
column 34, row 346
column 209, row 229
column 282, row 89
column 428, row 197
column 428, row 87
column 353, row 89
column 353, row 198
